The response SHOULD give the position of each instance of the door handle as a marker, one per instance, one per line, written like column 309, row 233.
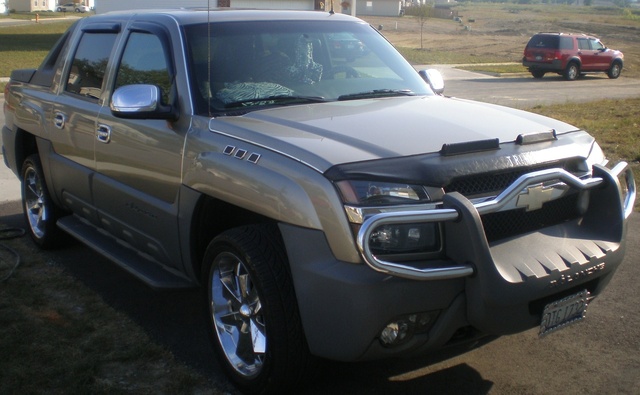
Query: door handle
column 103, row 133
column 59, row 120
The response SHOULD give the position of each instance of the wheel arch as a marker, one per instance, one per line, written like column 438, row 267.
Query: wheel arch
column 208, row 218
column 566, row 71
column 24, row 145
column 574, row 59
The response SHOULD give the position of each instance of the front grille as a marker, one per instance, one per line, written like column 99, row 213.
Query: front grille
column 492, row 183
column 503, row 224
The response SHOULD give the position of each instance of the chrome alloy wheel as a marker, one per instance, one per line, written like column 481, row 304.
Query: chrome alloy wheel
column 614, row 71
column 34, row 201
column 237, row 314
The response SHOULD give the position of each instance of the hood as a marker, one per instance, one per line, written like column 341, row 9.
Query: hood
column 328, row 134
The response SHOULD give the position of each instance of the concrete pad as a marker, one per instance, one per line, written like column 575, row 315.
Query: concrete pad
column 9, row 184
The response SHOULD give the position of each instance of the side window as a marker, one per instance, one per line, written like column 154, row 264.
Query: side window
column 566, row 43
column 144, row 62
column 583, row 43
column 596, row 45
column 89, row 64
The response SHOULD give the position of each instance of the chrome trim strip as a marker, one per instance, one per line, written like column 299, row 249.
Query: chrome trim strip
column 510, row 195
column 506, row 200
column 357, row 215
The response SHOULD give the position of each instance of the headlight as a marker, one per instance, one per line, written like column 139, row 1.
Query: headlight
column 397, row 241
column 405, row 239
column 373, row 193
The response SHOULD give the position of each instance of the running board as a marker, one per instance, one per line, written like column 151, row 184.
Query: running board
column 147, row 270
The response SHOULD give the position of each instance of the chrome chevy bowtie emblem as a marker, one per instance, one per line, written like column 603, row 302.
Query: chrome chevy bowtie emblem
column 535, row 196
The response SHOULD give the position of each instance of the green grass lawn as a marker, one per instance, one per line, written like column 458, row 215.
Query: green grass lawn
column 25, row 46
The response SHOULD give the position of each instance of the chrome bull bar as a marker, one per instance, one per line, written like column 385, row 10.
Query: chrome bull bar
column 506, row 200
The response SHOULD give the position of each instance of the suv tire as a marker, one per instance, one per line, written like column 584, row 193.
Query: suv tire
column 256, row 327
column 538, row 74
column 572, row 71
column 614, row 71
column 40, row 212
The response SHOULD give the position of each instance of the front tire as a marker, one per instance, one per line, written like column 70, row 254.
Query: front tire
column 40, row 211
column 256, row 328
column 615, row 70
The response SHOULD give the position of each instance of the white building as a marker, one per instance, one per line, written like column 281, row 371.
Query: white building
column 103, row 6
column 38, row 5
column 352, row 7
column 31, row 5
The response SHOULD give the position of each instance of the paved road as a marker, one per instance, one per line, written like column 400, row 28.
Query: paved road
column 598, row 356
column 523, row 91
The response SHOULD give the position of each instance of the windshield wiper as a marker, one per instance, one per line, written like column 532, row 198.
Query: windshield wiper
column 278, row 99
column 377, row 93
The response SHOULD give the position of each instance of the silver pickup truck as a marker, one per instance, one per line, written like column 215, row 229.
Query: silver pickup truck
column 328, row 198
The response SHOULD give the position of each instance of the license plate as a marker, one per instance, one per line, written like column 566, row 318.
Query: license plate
column 564, row 312
column 539, row 57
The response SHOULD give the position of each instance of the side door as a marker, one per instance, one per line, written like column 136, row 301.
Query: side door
column 74, row 114
column 589, row 56
column 602, row 56
column 138, row 161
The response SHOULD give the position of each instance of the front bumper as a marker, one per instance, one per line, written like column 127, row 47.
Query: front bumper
column 493, row 288
column 507, row 200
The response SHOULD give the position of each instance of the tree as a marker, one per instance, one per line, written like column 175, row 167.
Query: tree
column 422, row 12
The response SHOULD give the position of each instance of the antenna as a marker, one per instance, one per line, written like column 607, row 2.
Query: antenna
column 331, row 12
column 209, row 98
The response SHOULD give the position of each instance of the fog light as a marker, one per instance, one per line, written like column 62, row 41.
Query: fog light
column 402, row 330
column 394, row 333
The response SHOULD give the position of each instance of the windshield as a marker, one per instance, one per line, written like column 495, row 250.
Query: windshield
column 254, row 65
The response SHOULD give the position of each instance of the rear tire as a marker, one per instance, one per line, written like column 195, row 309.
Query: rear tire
column 537, row 74
column 572, row 71
column 256, row 328
column 40, row 211
column 615, row 70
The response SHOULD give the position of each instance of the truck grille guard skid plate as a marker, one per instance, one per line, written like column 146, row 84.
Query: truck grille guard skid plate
column 506, row 200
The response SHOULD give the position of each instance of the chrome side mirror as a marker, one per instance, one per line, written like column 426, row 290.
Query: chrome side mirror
column 434, row 79
column 140, row 101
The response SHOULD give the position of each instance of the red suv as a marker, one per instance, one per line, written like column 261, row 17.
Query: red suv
column 570, row 55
